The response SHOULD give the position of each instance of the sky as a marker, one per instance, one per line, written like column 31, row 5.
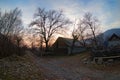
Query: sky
column 107, row 11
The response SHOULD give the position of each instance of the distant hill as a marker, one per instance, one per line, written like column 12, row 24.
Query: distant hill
column 109, row 33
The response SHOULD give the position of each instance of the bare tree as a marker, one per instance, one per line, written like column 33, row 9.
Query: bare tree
column 48, row 23
column 11, row 25
column 75, row 36
column 10, row 28
column 0, row 21
column 9, row 21
column 91, row 23
column 82, row 29
column 17, row 33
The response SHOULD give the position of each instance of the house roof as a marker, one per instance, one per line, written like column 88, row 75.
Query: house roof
column 114, row 36
column 107, row 34
column 69, row 41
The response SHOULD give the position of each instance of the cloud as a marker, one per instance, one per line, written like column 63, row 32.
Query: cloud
column 107, row 12
column 100, row 8
column 27, row 15
column 74, row 9
column 115, row 24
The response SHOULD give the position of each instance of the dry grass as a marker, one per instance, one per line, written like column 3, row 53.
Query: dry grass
column 19, row 68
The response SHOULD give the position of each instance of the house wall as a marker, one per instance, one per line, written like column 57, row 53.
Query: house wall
column 113, row 43
column 60, row 47
column 59, row 44
column 78, row 50
column 61, row 51
column 64, row 46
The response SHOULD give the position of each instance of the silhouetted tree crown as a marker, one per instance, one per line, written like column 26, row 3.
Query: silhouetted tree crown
column 48, row 23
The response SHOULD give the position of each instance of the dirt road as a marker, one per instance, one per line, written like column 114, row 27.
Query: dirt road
column 65, row 68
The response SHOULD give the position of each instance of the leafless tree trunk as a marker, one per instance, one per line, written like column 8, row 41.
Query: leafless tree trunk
column 41, row 45
column 48, row 23
column 91, row 23
column 82, row 29
column 75, row 35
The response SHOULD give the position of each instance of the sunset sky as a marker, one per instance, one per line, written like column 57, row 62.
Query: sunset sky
column 107, row 11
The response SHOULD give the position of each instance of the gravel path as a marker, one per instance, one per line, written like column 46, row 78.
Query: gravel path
column 52, row 68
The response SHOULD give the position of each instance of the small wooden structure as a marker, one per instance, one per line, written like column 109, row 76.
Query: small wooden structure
column 100, row 60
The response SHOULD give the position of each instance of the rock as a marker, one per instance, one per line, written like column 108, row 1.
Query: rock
column 100, row 60
column 109, row 61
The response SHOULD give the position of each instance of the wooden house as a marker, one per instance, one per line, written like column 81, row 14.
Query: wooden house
column 114, row 40
column 63, row 45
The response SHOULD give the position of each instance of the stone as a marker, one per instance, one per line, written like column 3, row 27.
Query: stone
column 100, row 60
